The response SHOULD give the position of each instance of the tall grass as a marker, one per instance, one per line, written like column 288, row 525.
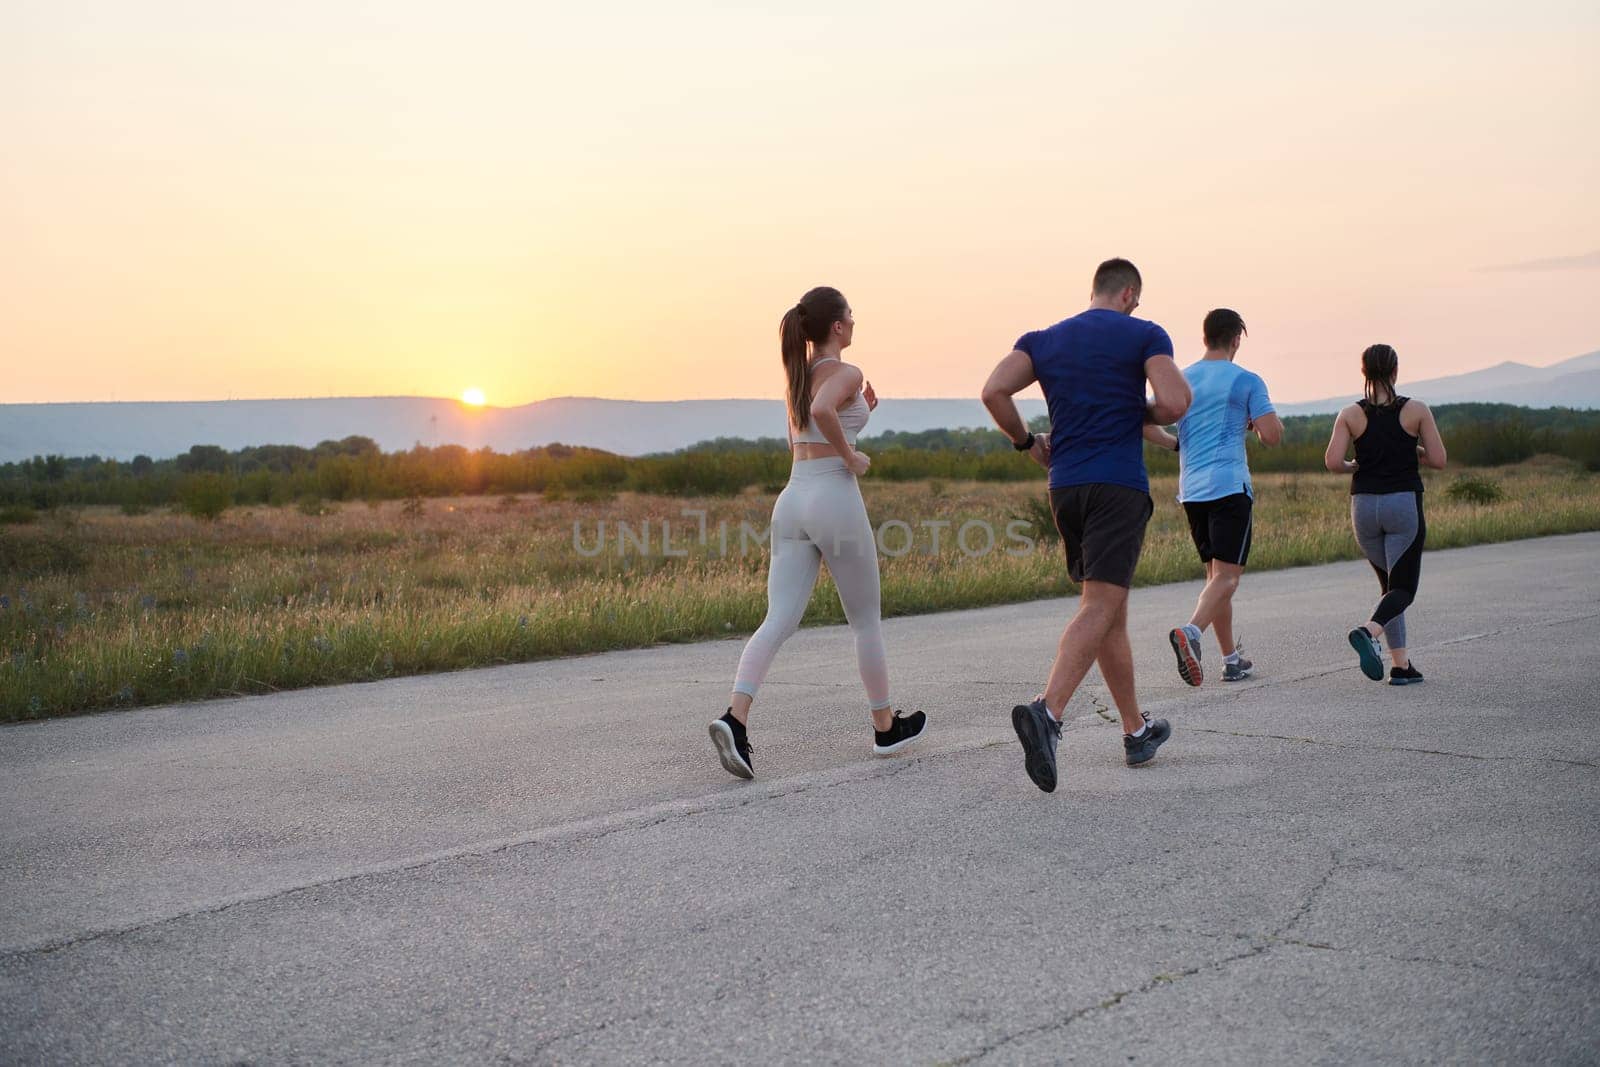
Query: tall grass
column 102, row 609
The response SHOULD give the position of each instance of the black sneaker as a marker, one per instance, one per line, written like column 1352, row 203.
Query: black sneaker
column 733, row 745
column 902, row 731
column 1143, row 749
column 1039, row 732
column 1404, row 676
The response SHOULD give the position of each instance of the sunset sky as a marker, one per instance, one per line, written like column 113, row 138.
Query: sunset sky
column 213, row 199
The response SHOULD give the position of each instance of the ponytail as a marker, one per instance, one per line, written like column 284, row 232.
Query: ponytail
column 808, row 322
column 792, row 341
column 1380, row 364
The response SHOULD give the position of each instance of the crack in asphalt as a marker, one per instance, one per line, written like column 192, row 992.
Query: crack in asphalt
column 1260, row 947
column 1101, row 708
column 1469, row 965
column 1110, row 1001
column 1335, row 865
column 1372, row 954
column 1377, row 747
column 533, row 1053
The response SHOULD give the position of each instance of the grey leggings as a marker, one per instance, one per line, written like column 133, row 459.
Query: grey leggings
column 1391, row 531
column 820, row 515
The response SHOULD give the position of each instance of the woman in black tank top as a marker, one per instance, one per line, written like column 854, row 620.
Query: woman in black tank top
column 1393, row 435
column 1386, row 455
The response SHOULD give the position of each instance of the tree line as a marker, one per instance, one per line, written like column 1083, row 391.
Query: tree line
column 207, row 479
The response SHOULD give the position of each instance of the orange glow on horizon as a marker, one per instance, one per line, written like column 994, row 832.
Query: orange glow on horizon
column 205, row 200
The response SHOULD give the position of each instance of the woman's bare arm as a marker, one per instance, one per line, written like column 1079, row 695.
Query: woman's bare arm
column 1431, row 449
column 1338, row 445
column 834, row 392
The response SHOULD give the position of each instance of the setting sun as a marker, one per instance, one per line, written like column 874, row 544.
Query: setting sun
column 473, row 397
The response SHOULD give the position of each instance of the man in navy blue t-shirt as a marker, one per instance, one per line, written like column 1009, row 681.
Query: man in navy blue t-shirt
column 1093, row 368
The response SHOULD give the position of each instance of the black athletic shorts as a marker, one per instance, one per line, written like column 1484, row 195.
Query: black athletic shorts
column 1221, row 528
column 1102, row 527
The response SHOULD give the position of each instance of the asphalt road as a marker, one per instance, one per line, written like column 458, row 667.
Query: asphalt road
column 545, row 863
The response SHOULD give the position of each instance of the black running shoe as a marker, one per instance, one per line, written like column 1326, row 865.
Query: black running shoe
column 733, row 745
column 1366, row 647
column 902, row 731
column 1039, row 732
column 1404, row 676
column 1143, row 749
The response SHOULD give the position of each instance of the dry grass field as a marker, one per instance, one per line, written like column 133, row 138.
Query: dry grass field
column 99, row 609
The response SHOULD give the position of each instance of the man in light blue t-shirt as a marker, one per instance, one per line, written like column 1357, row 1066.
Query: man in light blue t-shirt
column 1214, row 485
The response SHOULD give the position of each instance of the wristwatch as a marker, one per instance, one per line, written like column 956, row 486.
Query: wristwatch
column 1026, row 444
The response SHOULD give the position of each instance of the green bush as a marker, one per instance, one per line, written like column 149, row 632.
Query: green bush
column 1475, row 489
column 205, row 496
column 17, row 515
column 1036, row 513
column 1492, row 444
column 1584, row 446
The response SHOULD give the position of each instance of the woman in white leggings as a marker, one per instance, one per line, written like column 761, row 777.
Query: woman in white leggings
column 819, row 516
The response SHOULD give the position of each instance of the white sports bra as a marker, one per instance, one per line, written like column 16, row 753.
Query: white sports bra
column 853, row 417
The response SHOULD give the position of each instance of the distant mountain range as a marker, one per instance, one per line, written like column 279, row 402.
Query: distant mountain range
column 629, row 427
column 1572, row 383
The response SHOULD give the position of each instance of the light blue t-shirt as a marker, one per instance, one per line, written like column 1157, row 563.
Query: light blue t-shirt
column 1211, row 436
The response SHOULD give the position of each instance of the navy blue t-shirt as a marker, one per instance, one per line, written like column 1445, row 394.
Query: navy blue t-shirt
column 1091, row 368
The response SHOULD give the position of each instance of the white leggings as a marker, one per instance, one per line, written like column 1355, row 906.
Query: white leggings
column 820, row 515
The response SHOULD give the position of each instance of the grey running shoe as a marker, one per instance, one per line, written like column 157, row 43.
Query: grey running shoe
column 1188, row 652
column 1237, row 672
column 1366, row 647
column 1143, row 750
column 1039, row 732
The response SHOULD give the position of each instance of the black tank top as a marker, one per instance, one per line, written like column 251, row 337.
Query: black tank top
column 1386, row 456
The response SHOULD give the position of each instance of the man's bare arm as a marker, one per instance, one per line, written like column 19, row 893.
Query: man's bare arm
column 1010, row 376
column 1160, row 437
column 1171, row 389
column 1269, row 429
